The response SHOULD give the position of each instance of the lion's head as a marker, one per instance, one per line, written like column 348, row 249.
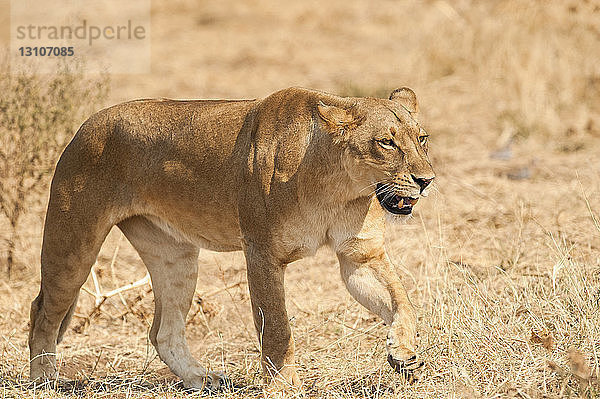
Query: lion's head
column 385, row 147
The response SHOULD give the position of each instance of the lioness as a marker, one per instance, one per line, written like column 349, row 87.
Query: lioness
column 276, row 177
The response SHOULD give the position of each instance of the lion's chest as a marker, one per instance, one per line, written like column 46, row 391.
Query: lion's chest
column 302, row 238
column 301, row 251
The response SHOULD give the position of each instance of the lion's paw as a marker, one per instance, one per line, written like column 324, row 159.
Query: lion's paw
column 285, row 382
column 211, row 381
column 408, row 366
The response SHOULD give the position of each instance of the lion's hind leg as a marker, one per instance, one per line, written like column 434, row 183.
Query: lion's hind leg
column 173, row 267
column 71, row 243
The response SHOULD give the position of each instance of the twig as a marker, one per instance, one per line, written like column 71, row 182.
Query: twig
column 300, row 307
column 86, row 319
column 139, row 283
column 112, row 268
column 204, row 319
column 95, row 365
column 98, row 294
column 219, row 290
column 101, row 298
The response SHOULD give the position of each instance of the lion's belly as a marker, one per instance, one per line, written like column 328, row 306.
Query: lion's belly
column 202, row 232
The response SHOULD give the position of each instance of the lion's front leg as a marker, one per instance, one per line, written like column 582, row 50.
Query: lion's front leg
column 372, row 281
column 265, row 281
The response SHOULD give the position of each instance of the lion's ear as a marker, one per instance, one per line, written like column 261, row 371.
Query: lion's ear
column 406, row 98
column 339, row 118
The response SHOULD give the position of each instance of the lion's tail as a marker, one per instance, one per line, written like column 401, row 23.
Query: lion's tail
column 65, row 322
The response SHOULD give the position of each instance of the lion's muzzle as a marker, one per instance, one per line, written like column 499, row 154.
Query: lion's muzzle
column 393, row 203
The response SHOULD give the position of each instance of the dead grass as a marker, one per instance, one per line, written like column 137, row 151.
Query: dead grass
column 502, row 261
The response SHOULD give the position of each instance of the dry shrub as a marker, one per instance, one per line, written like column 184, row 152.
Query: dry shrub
column 38, row 115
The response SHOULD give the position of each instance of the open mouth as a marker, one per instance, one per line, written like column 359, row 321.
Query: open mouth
column 394, row 203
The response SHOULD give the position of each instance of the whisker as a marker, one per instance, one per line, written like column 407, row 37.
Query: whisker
column 373, row 184
column 389, row 194
column 385, row 189
column 375, row 191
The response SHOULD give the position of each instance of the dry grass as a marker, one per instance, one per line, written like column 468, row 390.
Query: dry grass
column 502, row 262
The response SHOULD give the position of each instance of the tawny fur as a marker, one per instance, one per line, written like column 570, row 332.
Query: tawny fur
column 276, row 178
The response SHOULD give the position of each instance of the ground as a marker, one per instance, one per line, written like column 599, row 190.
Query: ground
column 502, row 261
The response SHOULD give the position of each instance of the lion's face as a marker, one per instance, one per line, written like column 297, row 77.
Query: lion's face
column 387, row 149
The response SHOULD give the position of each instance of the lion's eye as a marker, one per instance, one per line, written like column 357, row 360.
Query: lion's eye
column 423, row 139
column 388, row 144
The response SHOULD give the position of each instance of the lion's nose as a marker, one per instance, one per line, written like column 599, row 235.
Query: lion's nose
column 422, row 182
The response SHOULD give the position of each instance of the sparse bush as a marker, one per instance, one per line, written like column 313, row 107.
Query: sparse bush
column 38, row 115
